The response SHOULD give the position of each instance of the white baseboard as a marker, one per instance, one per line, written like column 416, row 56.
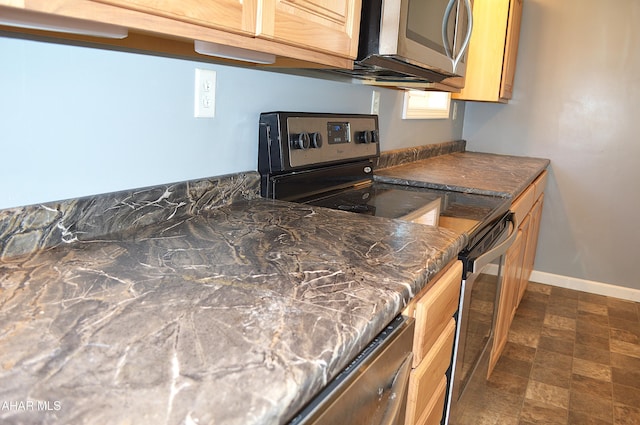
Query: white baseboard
column 584, row 285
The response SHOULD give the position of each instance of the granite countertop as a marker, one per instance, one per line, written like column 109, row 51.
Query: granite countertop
column 236, row 315
column 471, row 172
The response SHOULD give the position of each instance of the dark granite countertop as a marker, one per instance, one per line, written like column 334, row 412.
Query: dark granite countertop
column 472, row 172
column 236, row 315
column 215, row 306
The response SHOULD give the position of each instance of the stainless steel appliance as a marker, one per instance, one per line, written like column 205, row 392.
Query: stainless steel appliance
column 328, row 159
column 414, row 41
column 481, row 288
column 372, row 390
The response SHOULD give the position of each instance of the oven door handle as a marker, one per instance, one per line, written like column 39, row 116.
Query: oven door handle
column 499, row 250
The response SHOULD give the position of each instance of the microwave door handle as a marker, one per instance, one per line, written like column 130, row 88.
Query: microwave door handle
column 445, row 24
column 467, row 37
column 496, row 252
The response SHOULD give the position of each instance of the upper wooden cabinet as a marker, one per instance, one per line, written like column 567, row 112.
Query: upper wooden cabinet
column 328, row 25
column 493, row 49
column 314, row 33
column 229, row 15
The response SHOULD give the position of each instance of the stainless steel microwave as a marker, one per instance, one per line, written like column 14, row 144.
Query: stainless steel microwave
column 414, row 42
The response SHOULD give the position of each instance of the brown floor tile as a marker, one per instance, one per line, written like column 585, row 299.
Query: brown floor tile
column 592, row 319
column 626, row 395
column 599, row 309
column 626, row 325
column 630, row 336
column 622, row 361
column 564, row 293
column 553, row 360
column 571, row 358
column 513, row 366
column 556, row 345
column 581, row 418
column 627, row 377
column 592, row 298
column 547, row 394
column 591, row 329
column 534, row 412
column 625, row 348
column 626, row 313
column 593, row 341
column 592, row 370
column 507, row 382
column 596, row 407
column 564, row 310
column 524, row 334
column 586, row 352
column 626, row 415
column 552, row 376
column 519, row 352
column 559, row 322
column 590, row 386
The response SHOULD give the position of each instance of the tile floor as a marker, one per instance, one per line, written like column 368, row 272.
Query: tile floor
column 571, row 358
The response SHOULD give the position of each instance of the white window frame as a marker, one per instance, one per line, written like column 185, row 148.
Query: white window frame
column 420, row 104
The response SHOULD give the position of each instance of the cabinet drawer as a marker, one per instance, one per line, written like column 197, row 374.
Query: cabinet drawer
column 434, row 310
column 540, row 183
column 434, row 411
column 523, row 204
column 429, row 373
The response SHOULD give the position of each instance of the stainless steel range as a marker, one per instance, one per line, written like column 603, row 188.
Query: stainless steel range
column 328, row 160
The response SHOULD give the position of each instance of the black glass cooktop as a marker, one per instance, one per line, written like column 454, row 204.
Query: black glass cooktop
column 461, row 212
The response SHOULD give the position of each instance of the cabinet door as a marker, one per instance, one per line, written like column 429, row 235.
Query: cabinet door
column 531, row 244
column 493, row 49
column 325, row 25
column 229, row 15
column 424, row 380
column 511, row 49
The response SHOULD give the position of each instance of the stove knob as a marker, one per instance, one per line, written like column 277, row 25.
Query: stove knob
column 301, row 141
column 367, row 136
column 375, row 136
column 316, row 140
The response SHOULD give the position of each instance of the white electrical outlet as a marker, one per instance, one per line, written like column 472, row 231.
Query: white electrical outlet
column 205, row 94
column 375, row 102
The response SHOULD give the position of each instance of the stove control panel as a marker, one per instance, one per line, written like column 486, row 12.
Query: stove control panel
column 290, row 141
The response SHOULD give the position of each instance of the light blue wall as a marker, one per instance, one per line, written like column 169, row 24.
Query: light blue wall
column 576, row 102
column 77, row 121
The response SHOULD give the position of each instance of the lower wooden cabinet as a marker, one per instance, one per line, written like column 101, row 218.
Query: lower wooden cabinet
column 433, row 310
column 518, row 262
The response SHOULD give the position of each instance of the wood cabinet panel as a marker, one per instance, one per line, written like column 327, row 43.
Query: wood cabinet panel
column 511, row 49
column 434, row 310
column 518, row 262
column 328, row 25
column 493, row 50
column 433, row 412
column 425, row 378
column 230, row 15
column 301, row 33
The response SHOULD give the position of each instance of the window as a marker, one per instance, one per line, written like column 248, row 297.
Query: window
column 426, row 104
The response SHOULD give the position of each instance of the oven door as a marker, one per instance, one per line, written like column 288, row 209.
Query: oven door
column 481, row 288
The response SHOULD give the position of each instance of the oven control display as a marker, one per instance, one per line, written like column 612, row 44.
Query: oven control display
column 338, row 132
